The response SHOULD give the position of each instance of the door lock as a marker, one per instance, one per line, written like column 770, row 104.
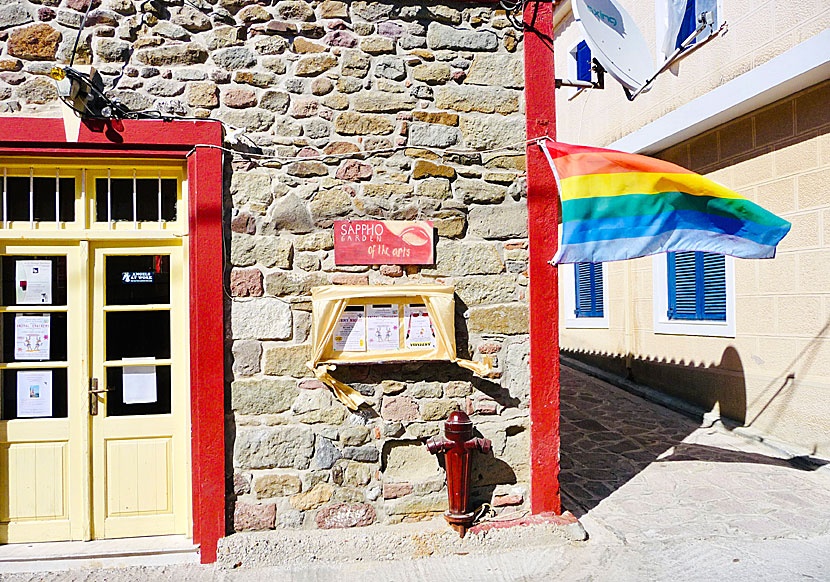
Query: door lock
column 93, row 396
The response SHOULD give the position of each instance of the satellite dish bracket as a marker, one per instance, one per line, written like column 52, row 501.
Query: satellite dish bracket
column 598, row 84
column 706, row 19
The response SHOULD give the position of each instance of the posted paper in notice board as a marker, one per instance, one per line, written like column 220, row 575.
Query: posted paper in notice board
column 350, row 331
column 419, row 331
column 382, row 327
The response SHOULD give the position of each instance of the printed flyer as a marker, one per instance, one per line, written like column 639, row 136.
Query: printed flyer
column 382, row 327
column 34, row 394
column 31, row 337
column 418, row 327
column 350, row 332
column 33, row 282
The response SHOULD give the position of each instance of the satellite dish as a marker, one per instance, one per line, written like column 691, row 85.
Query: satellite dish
column 615, row 41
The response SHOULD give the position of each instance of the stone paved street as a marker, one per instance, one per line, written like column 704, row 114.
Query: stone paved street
column 660, row 497
column 650, row 474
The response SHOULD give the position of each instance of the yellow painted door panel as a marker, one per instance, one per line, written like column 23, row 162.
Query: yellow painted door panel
column 139, row 462
column 43, row 467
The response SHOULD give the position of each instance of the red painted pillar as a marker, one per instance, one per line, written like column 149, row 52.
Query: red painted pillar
column 207, row 347
column 543, row 218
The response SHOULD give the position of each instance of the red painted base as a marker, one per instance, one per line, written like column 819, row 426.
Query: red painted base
column 549, row 518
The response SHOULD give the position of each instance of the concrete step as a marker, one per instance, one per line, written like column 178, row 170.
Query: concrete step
column 60, row 556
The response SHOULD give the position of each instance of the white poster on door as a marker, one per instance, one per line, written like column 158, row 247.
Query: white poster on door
column 139, row 384
column 382, row 327
column 418, row 330
column 350, row 331
column 31, row 337
column 34, row 394
column 33, row 282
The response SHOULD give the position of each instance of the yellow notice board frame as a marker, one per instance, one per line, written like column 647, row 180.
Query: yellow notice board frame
column 328, row 303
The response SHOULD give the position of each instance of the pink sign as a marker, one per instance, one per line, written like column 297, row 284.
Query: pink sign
column 383, row 242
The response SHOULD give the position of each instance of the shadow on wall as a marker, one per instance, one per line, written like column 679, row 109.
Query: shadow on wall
column 721, row 387
column 608, row 435
column 782, row 388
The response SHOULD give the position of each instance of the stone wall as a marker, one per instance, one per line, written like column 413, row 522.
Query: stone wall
column 364, row 110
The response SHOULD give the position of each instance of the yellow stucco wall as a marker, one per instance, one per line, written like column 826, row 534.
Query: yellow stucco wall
column 756, row 31
column 774, row 374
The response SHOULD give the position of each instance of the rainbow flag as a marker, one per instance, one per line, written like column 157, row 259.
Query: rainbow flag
column 621, row 206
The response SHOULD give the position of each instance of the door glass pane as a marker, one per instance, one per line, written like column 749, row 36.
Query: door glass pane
column 33, row 337
column 138, row 334
column 150, row 396
column 138, row 279
column 35, row 393
column 27, row 280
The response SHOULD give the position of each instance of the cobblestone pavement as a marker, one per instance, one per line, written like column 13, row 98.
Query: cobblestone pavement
column 646, row 473
column 661, row 497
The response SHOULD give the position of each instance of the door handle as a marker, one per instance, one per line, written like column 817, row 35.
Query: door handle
column 93, row 396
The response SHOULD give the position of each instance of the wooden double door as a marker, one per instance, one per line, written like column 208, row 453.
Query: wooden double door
column 95, row 412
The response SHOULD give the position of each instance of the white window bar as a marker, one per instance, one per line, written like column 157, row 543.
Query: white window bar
column 32, row 198
column 58, row 196
column 5, row 202
column 159, row 200
column 135, row 211
column 109, row 199
column 83, row 198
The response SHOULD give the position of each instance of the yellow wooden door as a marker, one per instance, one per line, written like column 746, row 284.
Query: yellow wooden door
column 139, row 400
column 94, row 356
column 43, row 467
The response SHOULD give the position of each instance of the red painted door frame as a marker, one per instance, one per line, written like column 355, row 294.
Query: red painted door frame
column 543, row 220
column 176, row 140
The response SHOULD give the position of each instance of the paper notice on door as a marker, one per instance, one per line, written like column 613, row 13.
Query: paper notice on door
column 418, row 330
column 34, row 394
column 33, row 282
column 382, row 327
column 31, row 337
column 139, row 384
column 350, row 331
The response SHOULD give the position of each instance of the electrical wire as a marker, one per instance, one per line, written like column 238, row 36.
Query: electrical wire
column 80, row 30
column 325, row 156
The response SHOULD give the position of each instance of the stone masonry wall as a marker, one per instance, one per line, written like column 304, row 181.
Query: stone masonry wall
column 384, row 110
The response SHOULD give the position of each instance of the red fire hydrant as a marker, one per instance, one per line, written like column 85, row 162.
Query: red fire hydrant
column 458, row 445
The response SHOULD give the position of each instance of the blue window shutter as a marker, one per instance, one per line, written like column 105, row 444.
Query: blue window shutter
column 714, row 287
column 596, row 288
column 588, row 281
column 689, row 24
column 697, row 286
column 583, row 62
column 682, row 284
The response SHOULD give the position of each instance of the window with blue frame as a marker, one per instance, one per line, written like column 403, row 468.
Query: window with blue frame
column 582, row 54
column 697, row 286
column 588, row 279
